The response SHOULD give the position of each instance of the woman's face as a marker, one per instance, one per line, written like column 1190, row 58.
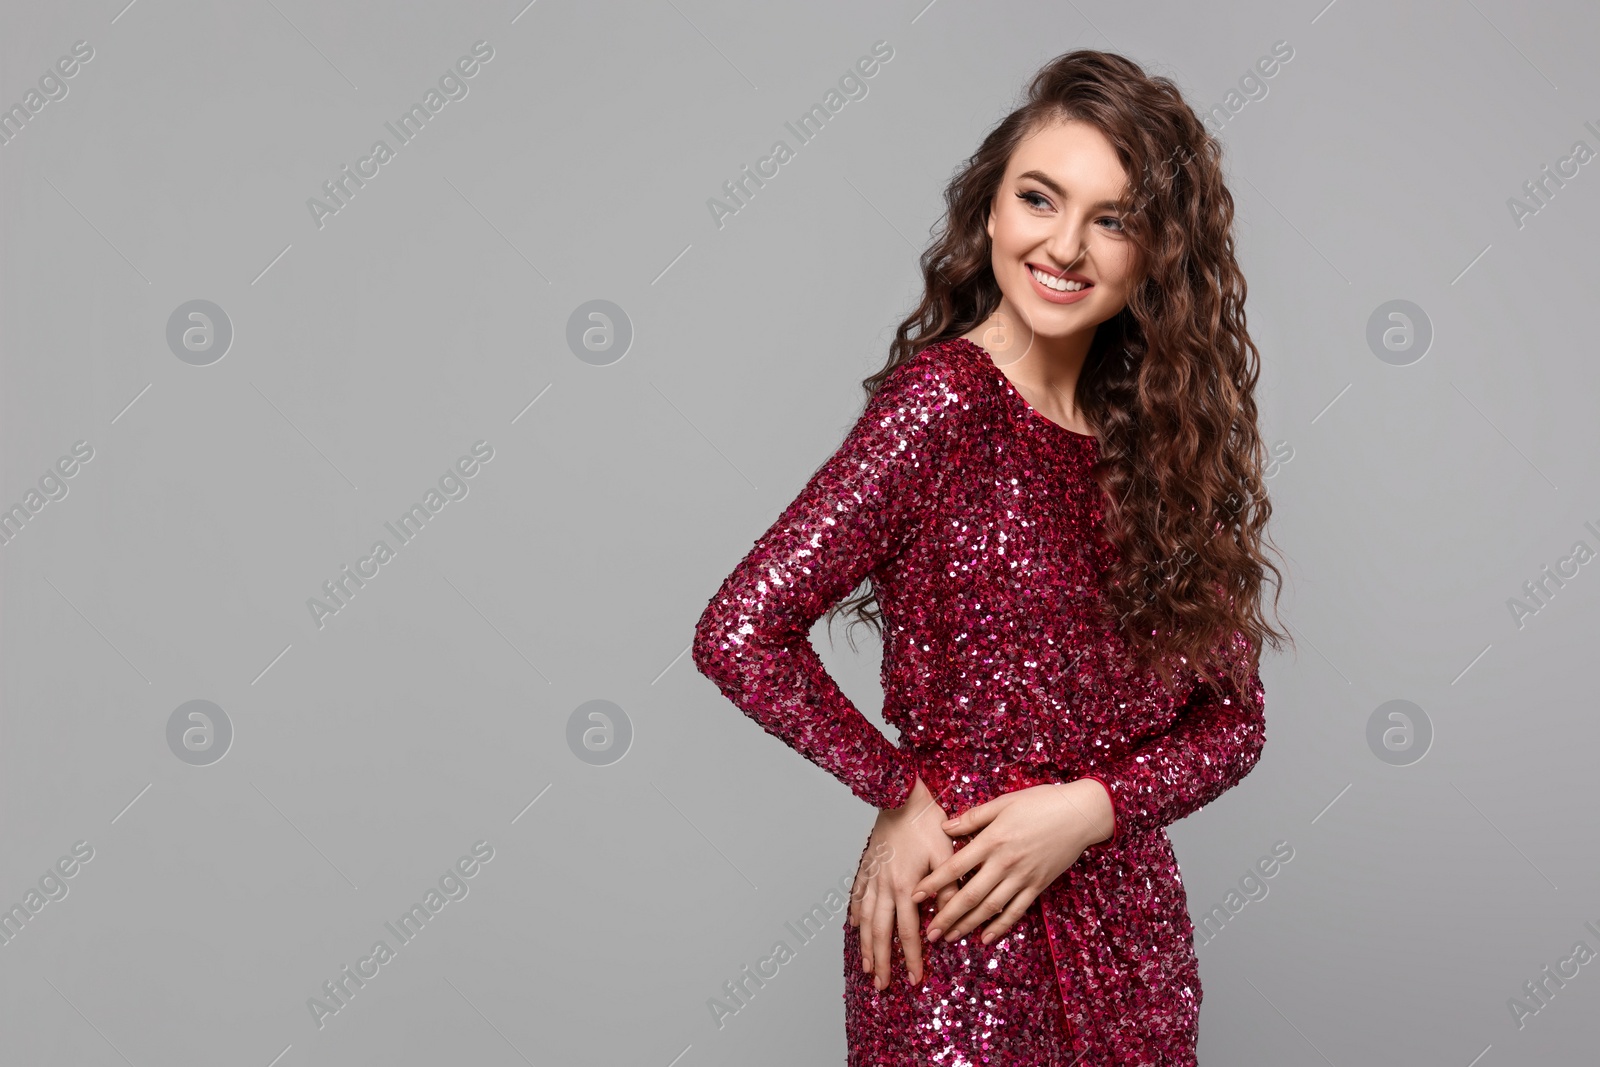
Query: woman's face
column 1053, row 225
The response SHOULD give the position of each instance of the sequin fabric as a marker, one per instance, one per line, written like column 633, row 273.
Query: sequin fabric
column 981, row 529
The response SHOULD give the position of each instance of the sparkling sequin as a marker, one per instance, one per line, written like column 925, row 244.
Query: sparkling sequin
column 978, row 521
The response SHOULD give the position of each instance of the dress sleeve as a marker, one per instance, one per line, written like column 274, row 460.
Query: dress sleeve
column 858, row 511
column 1215, row 741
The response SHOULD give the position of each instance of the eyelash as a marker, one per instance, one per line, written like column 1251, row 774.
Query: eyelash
column 1026, row 196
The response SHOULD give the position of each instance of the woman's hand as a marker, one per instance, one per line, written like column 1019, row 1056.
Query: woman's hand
column 906, row 843
column 1028, row 838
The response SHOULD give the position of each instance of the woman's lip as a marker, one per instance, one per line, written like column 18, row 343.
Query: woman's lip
column 1071, row 276
column 1055, row 296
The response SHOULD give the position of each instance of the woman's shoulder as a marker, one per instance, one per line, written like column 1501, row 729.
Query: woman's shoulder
column 954, row 366
column 939, row 393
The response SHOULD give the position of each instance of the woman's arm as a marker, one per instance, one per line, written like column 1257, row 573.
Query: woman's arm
column 858, row 511
column 1215, row 741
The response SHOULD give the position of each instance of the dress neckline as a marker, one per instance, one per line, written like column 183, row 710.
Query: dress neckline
column 1005, row 382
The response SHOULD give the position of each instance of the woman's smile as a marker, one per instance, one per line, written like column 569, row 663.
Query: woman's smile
column 1058, row 287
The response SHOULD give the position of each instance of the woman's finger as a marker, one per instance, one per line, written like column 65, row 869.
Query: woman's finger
column 857, row 888
column 992, row 903
column 976, row 817
column 881, row 921
column 959, row 863
column 910, row 923
column 1003, row 922
column 865, row 935
column 978, row 887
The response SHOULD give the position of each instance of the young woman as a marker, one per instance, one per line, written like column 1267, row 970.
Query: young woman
column 1055, row 493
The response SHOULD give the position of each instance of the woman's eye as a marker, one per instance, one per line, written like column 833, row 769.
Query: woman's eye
column 1033, row 199
column 1113, row 218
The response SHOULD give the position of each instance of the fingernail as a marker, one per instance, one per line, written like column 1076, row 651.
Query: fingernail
column 933, row 934
column 918, row 895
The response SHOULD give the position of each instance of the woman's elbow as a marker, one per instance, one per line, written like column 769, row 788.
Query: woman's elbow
column 1250, row 739
column 706, row 647
column 725, row 647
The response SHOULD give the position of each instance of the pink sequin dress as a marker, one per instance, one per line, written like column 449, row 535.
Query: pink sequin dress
column 979, row 524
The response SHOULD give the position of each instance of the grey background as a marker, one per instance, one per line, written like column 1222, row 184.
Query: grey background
column 432, row 711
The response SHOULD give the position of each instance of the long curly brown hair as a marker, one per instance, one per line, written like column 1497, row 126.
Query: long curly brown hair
column 1168, row 383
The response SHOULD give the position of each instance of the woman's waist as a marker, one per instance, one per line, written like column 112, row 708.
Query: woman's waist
column 966, row 775
column 1019, row 737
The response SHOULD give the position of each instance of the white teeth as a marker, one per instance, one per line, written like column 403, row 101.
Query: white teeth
column 1060, row 285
